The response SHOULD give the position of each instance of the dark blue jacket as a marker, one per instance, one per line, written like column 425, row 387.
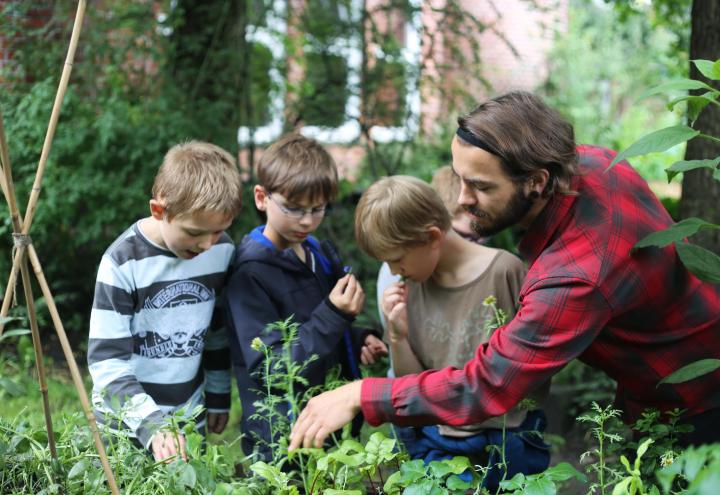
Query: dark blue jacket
column 267, row 285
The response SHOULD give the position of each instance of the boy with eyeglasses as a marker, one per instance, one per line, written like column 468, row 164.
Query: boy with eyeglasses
column 281, row 270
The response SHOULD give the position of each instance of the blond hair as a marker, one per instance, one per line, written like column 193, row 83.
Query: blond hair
column 198, row 176
column 298, row 167
column 397, row 212
column 447, row 184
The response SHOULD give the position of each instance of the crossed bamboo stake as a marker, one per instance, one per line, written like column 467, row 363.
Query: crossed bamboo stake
column 24, row 249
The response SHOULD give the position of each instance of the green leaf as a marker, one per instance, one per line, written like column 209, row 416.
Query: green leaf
column 79, row 468
column 676, row 233
column 643, row 447
column 457, row 483
column 660, row 140
column 540, row 486
column 458, row 464
column 677, row 85
column 331, row 491
column 708, row 68
column 438, row 469
column 11, row 387
column 624, row 461
column 412, row 471
column 704, row 264
column 622, row 487
column 393, row 483
column 187, row 476
column 4, row 320
column 695, row 105
column 14, row 333
column 515, row 483
column 564, row 471
column 687, row 165
column 692, row 371
column 265, row 470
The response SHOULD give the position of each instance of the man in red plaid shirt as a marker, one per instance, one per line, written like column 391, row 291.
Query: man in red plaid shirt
column 637, row 316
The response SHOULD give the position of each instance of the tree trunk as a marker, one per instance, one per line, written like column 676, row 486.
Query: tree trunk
column 700, row 192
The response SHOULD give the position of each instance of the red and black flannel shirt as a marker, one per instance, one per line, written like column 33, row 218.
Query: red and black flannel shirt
column 638, row 317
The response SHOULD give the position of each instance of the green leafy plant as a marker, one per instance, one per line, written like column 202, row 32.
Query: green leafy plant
column 542, row 483
column 602, row 420
column 632, row 484
column 437, row 478
column 698, row 468
column 700, row 261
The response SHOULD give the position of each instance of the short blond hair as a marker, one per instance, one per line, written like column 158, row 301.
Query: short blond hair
column 298, row 167
column 198, row 176
column 397, row 212
column 447, row 184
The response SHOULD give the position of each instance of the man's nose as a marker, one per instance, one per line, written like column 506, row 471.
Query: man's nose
column 465, row 197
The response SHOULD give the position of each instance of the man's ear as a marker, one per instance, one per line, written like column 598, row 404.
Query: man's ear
column 157, row 209
column 538, row 182
column 260, row 196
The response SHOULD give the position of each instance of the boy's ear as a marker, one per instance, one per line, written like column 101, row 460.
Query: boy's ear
column 260, row 196
column 436, row 235
column 157, row 209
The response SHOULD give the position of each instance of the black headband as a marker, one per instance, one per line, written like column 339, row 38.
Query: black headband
column 471, row 138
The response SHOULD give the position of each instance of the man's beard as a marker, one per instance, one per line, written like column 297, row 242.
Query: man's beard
column 513, row 213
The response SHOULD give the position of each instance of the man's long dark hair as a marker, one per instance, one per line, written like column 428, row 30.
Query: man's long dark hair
column 527, row 135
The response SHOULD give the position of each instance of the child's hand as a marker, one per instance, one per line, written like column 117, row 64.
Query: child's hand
column 372, row 349
column 166, row 445
column 348, row 296
column 394, row 308
column 217, row 422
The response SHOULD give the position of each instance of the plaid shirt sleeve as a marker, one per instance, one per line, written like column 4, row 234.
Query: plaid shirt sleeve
column 558, row 319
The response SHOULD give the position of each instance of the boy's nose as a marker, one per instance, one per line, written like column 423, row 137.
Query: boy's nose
column 205, row 243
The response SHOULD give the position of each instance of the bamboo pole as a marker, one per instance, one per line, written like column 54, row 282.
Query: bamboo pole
column 74, row 371
column 54, row 116
column 45, row 153
column 20, row 259
column 39, row 362
column 6, row 181
column 9, row 192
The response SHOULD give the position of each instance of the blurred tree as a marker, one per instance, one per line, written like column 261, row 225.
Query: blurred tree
column 700, row 193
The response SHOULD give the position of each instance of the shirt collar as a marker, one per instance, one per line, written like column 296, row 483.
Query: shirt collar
column 543, row 228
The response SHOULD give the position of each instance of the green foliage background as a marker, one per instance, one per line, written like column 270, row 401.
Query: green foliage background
column 143, row 81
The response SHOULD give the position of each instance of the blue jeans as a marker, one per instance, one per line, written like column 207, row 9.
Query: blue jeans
column 525, row 450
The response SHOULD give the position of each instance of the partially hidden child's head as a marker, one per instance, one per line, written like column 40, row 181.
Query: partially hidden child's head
column 447, row 184
column 296, row 179
column 397, row 216
column 196, row 195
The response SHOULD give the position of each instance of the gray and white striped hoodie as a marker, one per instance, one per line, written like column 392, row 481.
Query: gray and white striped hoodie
column 154, row 346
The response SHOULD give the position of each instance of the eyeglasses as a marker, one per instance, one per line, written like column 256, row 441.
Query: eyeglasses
column 298, row 213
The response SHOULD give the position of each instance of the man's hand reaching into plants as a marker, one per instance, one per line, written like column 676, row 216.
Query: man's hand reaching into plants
column 324, row 414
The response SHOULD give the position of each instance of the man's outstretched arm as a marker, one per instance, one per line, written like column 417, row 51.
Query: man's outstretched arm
column 557, row 323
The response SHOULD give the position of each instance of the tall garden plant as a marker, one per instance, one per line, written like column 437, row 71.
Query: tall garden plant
column 703, row 263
